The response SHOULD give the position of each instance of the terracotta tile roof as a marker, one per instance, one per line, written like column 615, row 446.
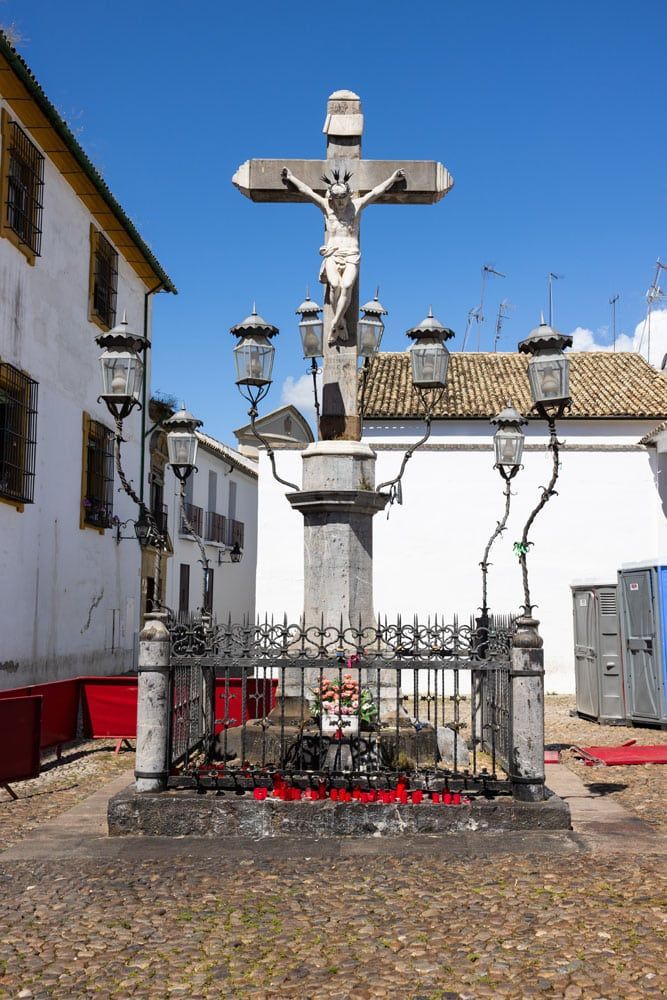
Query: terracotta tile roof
column 20, row 68
column 602, row 384
column 235, row 459
column 652, row 435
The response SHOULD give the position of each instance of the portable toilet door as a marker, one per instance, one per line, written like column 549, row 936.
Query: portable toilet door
column 610, row 665
column 642, row 646
column 585, row 652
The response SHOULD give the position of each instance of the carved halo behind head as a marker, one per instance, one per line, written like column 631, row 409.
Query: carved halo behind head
column 337, row 187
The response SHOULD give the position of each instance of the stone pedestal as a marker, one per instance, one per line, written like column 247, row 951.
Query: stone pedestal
column 527, row 701
column 338, row 502
column 152, row 756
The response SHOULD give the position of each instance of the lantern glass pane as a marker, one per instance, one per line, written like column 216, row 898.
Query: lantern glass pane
column 508, row 444
column 429, row 366
column 121, row 374
column 312, row 337
column 254, row 361
column 369, row 335
column 182, row 448
column 548, row 377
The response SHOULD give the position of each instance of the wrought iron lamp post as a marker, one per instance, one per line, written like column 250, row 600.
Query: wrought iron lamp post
column 549, row 385
column 122, row 379
column 182, row 445
column 311, row 328
column 253, row 357
column 548, row 375
column 430, row 363
column 508, row 447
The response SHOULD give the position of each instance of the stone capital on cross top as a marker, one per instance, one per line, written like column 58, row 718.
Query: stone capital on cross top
column 341, row 187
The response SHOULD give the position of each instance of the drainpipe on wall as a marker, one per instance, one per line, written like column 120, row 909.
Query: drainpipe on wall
column 144, row 394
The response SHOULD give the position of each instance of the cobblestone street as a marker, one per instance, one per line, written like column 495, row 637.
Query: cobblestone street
column 553, row 915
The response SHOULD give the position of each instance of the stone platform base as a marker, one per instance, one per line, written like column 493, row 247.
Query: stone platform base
column 184, row 813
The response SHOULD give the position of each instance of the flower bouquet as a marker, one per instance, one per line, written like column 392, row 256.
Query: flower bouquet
column 340, row 704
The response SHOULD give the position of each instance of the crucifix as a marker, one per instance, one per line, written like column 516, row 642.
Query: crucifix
column 341, row 187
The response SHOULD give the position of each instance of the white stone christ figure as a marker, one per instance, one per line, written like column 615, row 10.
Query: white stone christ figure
column 341, row 252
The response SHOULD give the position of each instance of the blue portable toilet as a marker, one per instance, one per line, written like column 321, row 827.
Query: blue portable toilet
column 643, row 611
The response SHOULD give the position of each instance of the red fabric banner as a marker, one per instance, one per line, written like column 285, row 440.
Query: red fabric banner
column 20, row 724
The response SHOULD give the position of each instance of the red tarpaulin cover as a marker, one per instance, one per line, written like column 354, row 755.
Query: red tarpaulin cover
column 109, row 707
column 20, row 722
column 627, row 753
column 60, row 707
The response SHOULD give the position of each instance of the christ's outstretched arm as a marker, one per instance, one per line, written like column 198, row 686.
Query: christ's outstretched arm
column 377, row 192
column 289, row 178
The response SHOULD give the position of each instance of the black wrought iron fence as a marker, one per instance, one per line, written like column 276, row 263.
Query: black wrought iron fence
column 193, row 711
column 334, row 704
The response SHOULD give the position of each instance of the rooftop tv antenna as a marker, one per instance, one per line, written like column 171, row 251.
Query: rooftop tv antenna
column 477, row 314
column 550, row 286
column 653, row 295
column 503, row 313
column 612, row 302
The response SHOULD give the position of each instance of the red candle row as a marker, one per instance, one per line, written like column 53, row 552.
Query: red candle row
column 288, row 793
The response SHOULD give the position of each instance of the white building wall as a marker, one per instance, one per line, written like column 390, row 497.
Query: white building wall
column 427, row 553
column 67, row 595
column 233, row 583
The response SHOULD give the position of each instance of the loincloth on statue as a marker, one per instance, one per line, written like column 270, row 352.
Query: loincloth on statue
column 341, row 258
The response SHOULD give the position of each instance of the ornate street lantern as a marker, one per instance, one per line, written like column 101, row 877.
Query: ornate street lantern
column 253, row 355
column 233, row 555
column 370, row 328
column 429, row 356
column 146, row 532
column 311, row 328
column 182, row 442
column 508, row 441
column 122, row 369
column 548, row 370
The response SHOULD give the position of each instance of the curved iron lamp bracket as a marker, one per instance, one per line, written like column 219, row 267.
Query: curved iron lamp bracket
column 429, row 403
column 252, row 413
column 522, row 547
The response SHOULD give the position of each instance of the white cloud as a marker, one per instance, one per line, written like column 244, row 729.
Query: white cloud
column 647, row 335
column 299, row 392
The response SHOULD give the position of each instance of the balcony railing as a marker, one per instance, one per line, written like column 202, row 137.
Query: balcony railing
column 215, row 527
column 235, row 533
column 195, row 515
column 160, row 513
column 223, row 530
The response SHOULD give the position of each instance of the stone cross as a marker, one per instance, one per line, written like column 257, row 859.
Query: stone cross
column 388, row 182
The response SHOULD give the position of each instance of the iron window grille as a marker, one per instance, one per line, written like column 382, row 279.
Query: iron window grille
column 98, row 500
column 25, row 184
column 18, row 434
column 104, row 273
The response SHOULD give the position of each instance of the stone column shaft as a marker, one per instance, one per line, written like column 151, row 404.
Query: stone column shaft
column 527, row 713
column 152, row 757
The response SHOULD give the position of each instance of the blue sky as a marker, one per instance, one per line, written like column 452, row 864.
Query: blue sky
column 549, row 116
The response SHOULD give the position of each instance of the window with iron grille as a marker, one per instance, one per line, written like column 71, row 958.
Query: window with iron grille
column 103, row 279
column 18, row 429
column 22, row 185
column 98, row 457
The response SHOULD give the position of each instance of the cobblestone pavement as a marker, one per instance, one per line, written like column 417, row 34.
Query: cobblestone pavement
column 422, row 925
column 83, row 767
column 305, row 928
column 641, row 788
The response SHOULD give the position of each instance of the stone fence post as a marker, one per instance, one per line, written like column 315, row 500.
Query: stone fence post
column 527, row 710
column 152, row 757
